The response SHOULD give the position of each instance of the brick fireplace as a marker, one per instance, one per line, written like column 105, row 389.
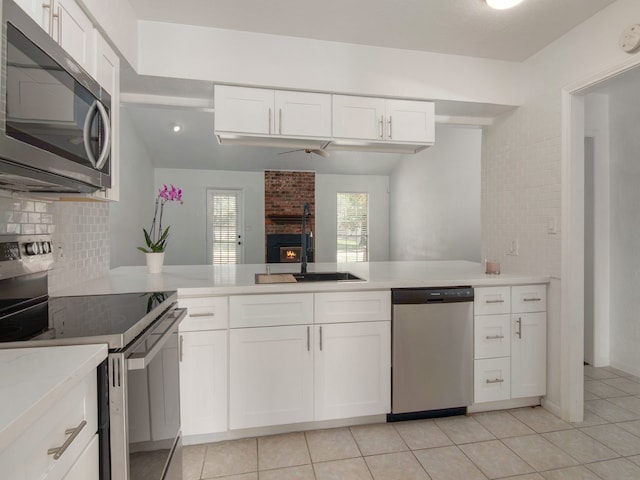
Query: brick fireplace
column 285, row 193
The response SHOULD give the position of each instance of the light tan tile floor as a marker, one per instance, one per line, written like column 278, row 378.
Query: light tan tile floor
column 519, row 444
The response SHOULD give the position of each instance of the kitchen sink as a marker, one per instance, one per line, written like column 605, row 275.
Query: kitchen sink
column 307, row 277
column 325, row 277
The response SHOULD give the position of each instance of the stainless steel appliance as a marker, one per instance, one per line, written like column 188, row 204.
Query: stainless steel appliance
column 432, row 352
column 55, row 132
column 139, row 401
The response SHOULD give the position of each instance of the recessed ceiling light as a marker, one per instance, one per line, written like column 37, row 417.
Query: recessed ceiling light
column 502, row 4
column 176, row 128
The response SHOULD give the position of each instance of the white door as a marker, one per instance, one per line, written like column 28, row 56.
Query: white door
column 358, row 117
column 270, row 376
column 203, row 382
column 225, row 238
column 37, row 10
column 244, row 110
column 74, row 32
column 410, row 121
column 302, row 114
column 352, row 370
column 528, row 354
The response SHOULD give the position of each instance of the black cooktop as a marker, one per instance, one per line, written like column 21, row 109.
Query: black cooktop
column 113, row 319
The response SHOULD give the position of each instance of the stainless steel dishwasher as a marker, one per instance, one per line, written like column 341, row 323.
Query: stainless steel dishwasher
column 432, row 352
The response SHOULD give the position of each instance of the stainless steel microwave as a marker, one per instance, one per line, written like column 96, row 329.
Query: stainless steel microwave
column 55, row 129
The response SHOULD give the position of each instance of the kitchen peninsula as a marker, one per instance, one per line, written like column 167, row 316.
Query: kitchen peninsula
column 259, row 359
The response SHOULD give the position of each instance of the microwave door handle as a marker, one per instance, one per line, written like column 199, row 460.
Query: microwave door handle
column 106, row 147
column 135, row 362
column 86, row 132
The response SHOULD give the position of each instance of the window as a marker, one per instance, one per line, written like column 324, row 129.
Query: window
column 223, row 226
column 353, row 237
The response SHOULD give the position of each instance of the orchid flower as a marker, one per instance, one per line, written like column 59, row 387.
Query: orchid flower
column 157, row 240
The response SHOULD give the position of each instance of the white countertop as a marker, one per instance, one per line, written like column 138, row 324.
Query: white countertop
column 204, row 280
column 33, row 379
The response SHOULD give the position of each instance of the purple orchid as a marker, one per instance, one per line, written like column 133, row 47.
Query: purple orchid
column 156, row 240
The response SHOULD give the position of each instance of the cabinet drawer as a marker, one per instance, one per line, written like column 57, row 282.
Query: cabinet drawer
column 529, row 298
column 492, row 380
column 270, row 310
column 492, row 300
column 492, row 337
column 341, row 307
column 27, row 457
column 205, row 313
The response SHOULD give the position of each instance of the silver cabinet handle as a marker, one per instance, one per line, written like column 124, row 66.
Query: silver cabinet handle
column 381, row 128
column 198, row 315
column 280, row 121
column 269, row 120
column 494, row 337
column 59, row 17
column 494, row 301
column 320, row 337
column 390, row 127
column 531, row 299
column 181, row 349
column 57, row 452
column 519, row 322
column 497, row 380
column 50, row 7
column 308, row 339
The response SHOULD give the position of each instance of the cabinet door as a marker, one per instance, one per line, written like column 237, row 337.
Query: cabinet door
column 106, row 71
column 528, row 354
column 36, row 10
column 244, row 110
column 302, row 114
column 358, row 117
column 74, row 32
column 352, row 370
column 410, row 121
column 87, row 467
column 492, row 337
column 270, row 376
column 203, row 382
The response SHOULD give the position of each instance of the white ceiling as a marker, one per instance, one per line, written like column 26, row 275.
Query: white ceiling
column 459, row 27
column 462, row 27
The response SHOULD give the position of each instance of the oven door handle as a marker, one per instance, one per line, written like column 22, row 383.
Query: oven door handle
column 140, row 362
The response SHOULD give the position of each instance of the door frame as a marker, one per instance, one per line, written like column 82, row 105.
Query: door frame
column 572, row 243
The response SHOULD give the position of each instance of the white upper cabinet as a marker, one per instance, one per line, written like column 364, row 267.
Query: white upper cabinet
column 270, row 113
column 38, row 10
column 73, row 30
column 386, row 122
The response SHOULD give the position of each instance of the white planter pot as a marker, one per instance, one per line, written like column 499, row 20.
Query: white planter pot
column 154, row 262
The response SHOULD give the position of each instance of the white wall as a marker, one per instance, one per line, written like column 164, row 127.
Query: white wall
column 134, row 211
column 327, row 187
column 435, row 199
column 187, row 242
column 625, row 228
column 217, row 55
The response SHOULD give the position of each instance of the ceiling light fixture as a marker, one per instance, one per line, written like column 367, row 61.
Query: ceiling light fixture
column 176, row 128
column 502, row 4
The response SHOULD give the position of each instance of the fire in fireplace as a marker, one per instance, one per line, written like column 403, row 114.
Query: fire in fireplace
column 286, row 248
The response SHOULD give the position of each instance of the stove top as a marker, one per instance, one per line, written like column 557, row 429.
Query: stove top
column 112, row 319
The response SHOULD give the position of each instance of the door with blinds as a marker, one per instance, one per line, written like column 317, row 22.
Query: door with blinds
column 224, row 226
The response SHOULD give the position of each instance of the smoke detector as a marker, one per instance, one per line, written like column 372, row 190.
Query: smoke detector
column 630, row 39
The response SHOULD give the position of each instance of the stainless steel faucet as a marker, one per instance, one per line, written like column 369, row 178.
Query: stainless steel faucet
column 306, row 213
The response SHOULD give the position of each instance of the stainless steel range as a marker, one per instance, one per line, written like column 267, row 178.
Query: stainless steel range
column 138, row 384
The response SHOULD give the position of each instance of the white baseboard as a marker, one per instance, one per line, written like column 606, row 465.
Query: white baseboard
column 504, row 404
column 551, row 407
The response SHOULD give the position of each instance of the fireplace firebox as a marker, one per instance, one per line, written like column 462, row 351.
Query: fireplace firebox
column 287, row 248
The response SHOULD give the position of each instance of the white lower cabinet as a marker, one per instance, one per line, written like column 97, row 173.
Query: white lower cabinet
column 88, row 464
column 203, row 382
column 270, row 376
column 352, row 370
column 528, row 354
column 510, row 343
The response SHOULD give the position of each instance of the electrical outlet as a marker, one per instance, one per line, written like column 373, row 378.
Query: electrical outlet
column 59, row 252
column 513, row 248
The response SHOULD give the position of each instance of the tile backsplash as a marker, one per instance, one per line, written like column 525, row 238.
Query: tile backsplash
column 80, row 235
